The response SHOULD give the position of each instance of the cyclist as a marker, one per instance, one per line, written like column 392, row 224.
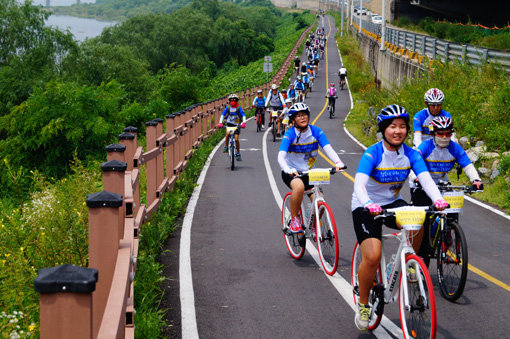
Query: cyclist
column 434, row 98
column 275, row 102
column 342, row 73
column 306, row 82
column 331, row 95
column 285, row 113
column 233, row 113
column 291, row 92
column 298, row 152
column 297, row 63
column 284, row 94
column 440, row 154
column 259, row 102
column 304, row 67
column 300, row 87
column 381, row 173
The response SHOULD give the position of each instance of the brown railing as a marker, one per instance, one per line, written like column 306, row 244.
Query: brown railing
column 74, row 303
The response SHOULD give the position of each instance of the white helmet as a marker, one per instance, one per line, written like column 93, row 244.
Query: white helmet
column 434, row 96
column 273, row 86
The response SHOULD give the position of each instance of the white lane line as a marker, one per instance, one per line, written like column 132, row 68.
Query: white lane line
column 341, row 285
column 189, row 328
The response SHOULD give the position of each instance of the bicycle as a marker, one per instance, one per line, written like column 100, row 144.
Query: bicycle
column 318, row 222
column 331, row 108
column 417, row 303
column 445, row 241
column 232, row 149
column 258, row 116
column 299, row 95
column 274, row 122
column 342, row 83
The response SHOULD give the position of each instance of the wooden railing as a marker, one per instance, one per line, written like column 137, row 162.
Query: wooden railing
column 74, row 303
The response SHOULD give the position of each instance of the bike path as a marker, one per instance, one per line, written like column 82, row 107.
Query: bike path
column 247, row 285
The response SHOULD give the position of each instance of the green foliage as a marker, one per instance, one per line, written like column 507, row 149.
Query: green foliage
column 48, row 230
column 61, row 119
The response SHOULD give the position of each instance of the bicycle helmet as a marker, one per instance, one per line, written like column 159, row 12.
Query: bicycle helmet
column 273, row 86
column 259, row 91
column 434, row 96
column 442, row 124
column 332, row 85
column 233, row 96
column 387, row 115
column 289, row 101
column 298, row 107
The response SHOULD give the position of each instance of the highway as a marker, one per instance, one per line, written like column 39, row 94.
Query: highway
column 229, row 275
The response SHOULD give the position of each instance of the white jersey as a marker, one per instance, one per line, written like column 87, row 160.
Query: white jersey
column 342, row 71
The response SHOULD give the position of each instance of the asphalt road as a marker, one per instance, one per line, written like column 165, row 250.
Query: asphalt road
column 245, row 284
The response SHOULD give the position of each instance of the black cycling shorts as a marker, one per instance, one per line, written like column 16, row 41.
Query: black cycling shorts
column 366, row 227
column 342, row 76
column 287, row 178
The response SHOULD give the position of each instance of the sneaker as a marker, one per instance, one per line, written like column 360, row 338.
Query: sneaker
column 238, row 157
column 262, row 127
column 295, row 226
column 225, row 149
column 411, row 274
column 362, row 316
column 278, row 135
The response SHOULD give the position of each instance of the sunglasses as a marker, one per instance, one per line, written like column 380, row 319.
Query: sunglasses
column 435, row 105
column 301, row 115
column 444, row 134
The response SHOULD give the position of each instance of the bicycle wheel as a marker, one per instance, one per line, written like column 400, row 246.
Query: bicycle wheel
column 327, row 239
column 274, row 130
column 232, row 156
column 452, row 262
column 418, row 320
column 292, row 241
column 376, row 296
column 330, row 108
column 259, row 122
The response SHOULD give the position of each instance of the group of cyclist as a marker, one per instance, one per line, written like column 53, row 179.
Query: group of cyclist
column 382, row 171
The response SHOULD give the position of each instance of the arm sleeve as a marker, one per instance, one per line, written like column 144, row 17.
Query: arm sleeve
column 330, row 152
column 268, row 99
column 417, row 123
column 429, row 186
column 417, row 139
column 282, row 161
column 242, row 114
column 360, row 190
column 471, row 172
column 254, row 101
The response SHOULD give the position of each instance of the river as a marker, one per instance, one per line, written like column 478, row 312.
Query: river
column 81, row 28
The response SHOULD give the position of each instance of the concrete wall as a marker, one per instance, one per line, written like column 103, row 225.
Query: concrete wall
column 303, row 4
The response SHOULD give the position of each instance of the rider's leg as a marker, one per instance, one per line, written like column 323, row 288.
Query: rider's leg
column 370, row 259
column 279, row 126
column 236, row 137
column 226, row 139
column 298, row 189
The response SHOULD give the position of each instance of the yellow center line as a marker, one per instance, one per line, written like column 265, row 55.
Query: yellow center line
column 470, row 267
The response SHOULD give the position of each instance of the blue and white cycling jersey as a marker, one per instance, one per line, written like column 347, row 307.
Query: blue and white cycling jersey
column 422, row 119
column 299, row 86
column 233, row 115
column 302, row 148
column 259, row 102
column 387, row 171
column 440, row 161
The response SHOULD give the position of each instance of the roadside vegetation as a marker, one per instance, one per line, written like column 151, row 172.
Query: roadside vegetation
column 477, row 97
column 497, row 38
column 62, row 102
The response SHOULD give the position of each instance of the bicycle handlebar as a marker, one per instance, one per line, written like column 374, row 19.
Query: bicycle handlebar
column 332, row 170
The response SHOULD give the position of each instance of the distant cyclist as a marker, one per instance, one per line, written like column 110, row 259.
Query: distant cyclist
column 291, row 92
column 382, row 171
column 299, row 87
column 440, row 154
column 331, row 95
column 434, row 98
column 275, row 102
column 233, row 113
column 259, row 102
column 284, row 117
column 342, row 73
column 298, row 152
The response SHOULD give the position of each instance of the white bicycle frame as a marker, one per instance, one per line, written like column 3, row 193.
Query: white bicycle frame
column 390, row 292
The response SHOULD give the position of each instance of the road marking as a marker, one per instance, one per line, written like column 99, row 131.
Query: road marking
column 188, row 315
column 387, row 329
column 250, row 149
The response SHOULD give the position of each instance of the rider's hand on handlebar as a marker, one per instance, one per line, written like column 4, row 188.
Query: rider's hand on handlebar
column 220, row 125
column 440, row 204
column 374, row 209
column 477, row 185
column 339, row 166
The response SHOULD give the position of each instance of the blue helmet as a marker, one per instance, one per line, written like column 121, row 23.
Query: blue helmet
column 389, row 113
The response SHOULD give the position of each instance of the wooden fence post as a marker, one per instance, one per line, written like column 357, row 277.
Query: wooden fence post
column 128, row 139
column 160, row 160
column 170, row 151
column 66, row 301
column 103, row 246
column 113, row 181
column 151, row 167
column 115, row 152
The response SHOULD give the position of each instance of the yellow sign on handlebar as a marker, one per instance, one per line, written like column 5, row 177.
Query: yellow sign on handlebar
column 456, row 201
column 410, row 219
column 231, row 129
column 319, row 177
column 274, row 114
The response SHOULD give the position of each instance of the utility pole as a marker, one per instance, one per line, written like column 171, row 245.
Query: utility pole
column 342, row 21
column 383, row 27
column 360, row 12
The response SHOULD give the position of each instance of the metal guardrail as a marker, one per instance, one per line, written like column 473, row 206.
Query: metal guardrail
column 438, row 49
